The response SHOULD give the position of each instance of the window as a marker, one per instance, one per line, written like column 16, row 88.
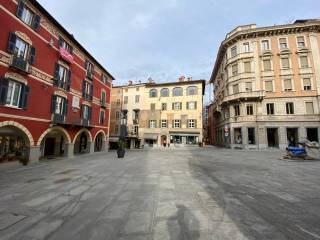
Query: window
column 265, row 45
column 86, row 112
column 102, row 116
column 176, row 106
column 289, row 108
column 270, row 108
column 153, row 106
column 191, row 123
column 246, row 47
column 87, row 90
column 117, row 115
column 163, row 106
column 247, row 66
column 287, row 85
column 153, row 93
column 13, row 94
column 116, row 128
column 234, row 69
column 177, row 91
column 104, row 78
column 89, row 69
column 233, row 51
column 300, row 42
column 137, row 98
column 306, row 84
column 304, row 62
column 152, row 124
column 63, row 44
column 269, row 86
column 164, row 92
column 118, row 102
column 135, row 129
column 248, row 86
column 176, row 123
column 285, row 63
column 191, row 105
column 193, row 90
column 251, row 136
column 21, row 49
column 283, row 43
column 236, row 110
column 27, row 16
column 249, row 110
column 267, row 65
column 103, row 97
column 235, row 88
column 309, row 108
column 62, row 77
column 164, row 123
column 125, row 100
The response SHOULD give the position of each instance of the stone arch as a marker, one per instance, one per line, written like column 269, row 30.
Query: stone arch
column 51, row 129
column 21, row 127
column 81, row 131
column 104, row 135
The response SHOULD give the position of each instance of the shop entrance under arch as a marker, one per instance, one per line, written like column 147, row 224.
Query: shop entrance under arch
column 55, row 143
column 99, row 142
column 82, row 143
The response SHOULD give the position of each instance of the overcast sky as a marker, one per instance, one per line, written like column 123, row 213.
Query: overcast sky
column 164, row 39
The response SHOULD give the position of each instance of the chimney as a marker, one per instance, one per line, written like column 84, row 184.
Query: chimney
column 129, row 82
column 181, row 79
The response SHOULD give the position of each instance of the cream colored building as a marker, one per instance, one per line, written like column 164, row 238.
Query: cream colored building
column 171, row 113
column 267, row 86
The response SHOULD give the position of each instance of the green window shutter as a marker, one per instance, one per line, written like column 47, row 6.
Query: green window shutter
column 36, row 22
column 68, row 80
column 65, row 107
column 53, row 103
column 32, row 56
column 3, row 90
column 12, row 42
column 56, row 74
column 20, row 8
column 23, row 103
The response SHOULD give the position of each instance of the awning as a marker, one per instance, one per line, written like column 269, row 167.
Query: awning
column 113, row 139
column 152, row 136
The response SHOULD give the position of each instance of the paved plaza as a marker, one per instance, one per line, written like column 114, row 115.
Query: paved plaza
column 187, row 193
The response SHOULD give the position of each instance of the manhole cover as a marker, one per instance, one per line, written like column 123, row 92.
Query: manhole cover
column 35, row 180
column 9, row 219
column 62, row 180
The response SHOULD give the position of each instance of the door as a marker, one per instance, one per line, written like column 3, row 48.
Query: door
column 312, row 134
column 292, row 136
column 272, row 136
column 49, row 146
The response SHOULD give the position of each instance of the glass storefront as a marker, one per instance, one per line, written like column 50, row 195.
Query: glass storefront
column 181, row 139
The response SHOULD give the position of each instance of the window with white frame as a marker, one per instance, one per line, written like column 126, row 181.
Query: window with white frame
column 300, row 42
column 192, row 105
column 309, row 108
column 164, row 123
column 86, row 112
column 234, row 69
column 246, row 47
column 177, row 106
column 285, row 63
column 21, row 48
column 267, row 64
column 176, row 123
column 265, row 45
column 13, row 94
column 152, row 124
column 287, row 85
column 60, row 105
column 304, row 62
column 178, row 91
column 306, row 84
column 27, row 16
column 191, row 123
column 233, row 51
column 283, row 43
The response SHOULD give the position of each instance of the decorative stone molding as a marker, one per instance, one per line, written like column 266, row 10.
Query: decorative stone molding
column 17, row 77
column 62, row 63
column 52, row 129
column 24, row 37
column 81, row 131
column 35, row 72
column 87, row 103
column 104, row 135
column 60, row 93
column 5, row 58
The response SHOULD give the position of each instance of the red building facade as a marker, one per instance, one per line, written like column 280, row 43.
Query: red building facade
column 54, row 96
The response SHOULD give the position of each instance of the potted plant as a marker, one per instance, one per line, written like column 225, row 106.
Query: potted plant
column 121, row 148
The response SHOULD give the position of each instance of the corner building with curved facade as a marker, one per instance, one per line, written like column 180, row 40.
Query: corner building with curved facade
column 267, row 86
column 54, row 96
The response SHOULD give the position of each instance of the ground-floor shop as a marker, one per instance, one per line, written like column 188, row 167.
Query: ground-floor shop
column 266, row 135
column 17, row 141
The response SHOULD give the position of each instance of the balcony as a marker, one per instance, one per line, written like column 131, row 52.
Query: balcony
column 87, row 96
column 103, row 103
column 20, row 63
column 65, row 55
column 58, row 119
column 244, row 96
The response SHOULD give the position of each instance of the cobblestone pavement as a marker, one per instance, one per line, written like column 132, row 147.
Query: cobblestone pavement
column 187, row 193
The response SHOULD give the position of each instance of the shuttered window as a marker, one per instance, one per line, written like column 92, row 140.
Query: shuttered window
column 283, row 43
column 306, row 84
column 13, row 94
column 287, row 85
column 269, row 86
column 285, row 63
column 309, row 108
column 27, row 16
column 267, row 65
column 304, row 62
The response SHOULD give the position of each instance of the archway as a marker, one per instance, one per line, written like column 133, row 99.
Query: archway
column 54, row 142
column 163, row 140
column 82, row 142
column 99, row 142
column 15, row 142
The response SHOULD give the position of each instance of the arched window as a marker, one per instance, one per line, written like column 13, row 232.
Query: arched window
column 164, row 92
column 177, row 91
column 193, row 90
column 153, row 93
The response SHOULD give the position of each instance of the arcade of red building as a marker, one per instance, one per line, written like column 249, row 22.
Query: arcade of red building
column 54, row 96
